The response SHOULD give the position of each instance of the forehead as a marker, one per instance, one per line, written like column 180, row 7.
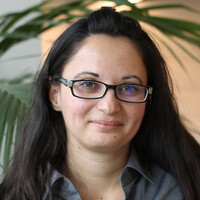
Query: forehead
column 108, row 56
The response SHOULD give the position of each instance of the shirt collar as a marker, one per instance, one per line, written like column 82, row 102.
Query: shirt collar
column 134, row 164
column 55, row 176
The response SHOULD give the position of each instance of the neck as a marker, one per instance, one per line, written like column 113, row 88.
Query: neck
column 95, row 171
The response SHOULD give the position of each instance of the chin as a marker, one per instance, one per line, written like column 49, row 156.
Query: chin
column 108, row 145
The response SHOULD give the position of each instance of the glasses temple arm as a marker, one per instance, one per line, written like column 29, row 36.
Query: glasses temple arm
column 66, row 82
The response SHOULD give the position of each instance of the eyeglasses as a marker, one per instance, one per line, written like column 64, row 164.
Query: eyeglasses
column 89, row 89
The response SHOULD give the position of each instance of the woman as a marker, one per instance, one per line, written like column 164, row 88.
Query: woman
column 104, row 123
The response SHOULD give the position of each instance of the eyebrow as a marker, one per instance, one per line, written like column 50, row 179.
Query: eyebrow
column 132, row 76
column 79, row 75
column 86, row 73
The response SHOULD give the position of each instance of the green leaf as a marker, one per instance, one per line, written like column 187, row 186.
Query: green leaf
column 19, row 120
column 168, row 28
column 174, row 55
column 171, row 51
column 40, row 23
column 18, row 91
column 181, row 25
column 4, row 106
column 185, row 50
column 4, row 125
column 35, row 26
column 123, row 2
column 169, row 6
column 11, row 118
column 14, row 97
column 7, row 21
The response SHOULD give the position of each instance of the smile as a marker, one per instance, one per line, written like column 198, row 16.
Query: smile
column 107, row 125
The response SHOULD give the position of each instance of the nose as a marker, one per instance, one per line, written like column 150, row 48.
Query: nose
column 109, row 104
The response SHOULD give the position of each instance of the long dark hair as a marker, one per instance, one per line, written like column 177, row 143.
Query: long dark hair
column 162, row 137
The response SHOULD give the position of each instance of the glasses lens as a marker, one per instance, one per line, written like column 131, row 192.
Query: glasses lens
column 131, row 92
column 88, row 89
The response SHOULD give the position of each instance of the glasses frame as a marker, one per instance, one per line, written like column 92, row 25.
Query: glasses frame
column 69, row 83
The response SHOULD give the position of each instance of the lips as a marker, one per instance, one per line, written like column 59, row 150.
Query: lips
column 107, row 125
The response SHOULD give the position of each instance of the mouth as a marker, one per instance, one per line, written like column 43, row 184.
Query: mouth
column 106, row 125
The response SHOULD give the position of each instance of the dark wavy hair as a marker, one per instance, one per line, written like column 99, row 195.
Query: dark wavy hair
column 162, row 137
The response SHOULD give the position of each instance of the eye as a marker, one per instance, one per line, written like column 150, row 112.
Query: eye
column 129, row 88
column 89, row 84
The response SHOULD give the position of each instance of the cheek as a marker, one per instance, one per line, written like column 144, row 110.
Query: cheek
column 136, row 109
column 75, row 112
column 135, row 115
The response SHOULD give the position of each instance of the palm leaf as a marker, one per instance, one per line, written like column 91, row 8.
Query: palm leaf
column 184, row 49
column 7, row 21
column 177, row 28
column 14, row 97
column 13, row 108
column 37, row 24
column 169, row 6
column 172, row 52
column 47, row 18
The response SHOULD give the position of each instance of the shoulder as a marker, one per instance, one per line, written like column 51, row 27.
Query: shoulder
column 142, row 180
column 163, row 186
column 159, row 185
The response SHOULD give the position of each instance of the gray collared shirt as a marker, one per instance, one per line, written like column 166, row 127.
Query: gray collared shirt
column 138, row 183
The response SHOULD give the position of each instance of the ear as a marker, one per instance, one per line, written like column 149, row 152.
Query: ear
column 54, row 97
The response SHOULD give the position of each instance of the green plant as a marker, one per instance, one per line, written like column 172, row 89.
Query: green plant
column 14, row 98
column 13, row 93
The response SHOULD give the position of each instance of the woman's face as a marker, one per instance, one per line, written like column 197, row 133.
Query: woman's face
column 105, row 124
